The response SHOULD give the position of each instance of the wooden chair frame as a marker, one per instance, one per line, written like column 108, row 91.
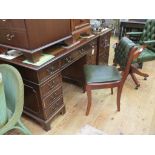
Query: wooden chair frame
column 133, row 54
column 135, row 70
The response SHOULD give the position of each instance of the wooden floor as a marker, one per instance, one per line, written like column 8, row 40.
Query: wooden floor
column 137, row 115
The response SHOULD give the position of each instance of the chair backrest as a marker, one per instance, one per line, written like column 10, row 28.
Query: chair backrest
column 148, row 31
column 14, row 90
column 122, row 51
column 125, row 53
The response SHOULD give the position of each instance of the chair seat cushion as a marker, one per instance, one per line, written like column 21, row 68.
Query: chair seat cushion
column 101, row 74
column 146, row 55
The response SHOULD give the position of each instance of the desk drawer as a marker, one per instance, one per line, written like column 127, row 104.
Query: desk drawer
column 48, row 71
column 70, row 58
column 53, row 108
column 49, row 85
column 80, row 52
column 13, row 38
column 52, row 97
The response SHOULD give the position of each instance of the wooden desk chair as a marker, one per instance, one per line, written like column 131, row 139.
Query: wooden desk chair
column 101, row 76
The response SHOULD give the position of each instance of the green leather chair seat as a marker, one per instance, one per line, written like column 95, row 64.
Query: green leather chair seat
column 146, row 55
column 101, row 73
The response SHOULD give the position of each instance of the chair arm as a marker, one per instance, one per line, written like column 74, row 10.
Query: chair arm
column 133, row 33
column 149, row 42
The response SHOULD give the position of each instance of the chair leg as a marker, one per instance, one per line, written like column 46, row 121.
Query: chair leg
column 89, row 95
column 135, row 80
column 119, row 91
column 136, row 71
column 111, row 91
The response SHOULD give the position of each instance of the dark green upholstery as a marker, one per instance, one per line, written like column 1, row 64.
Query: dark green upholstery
column 101, row 73
column 147, row 38
column 122, row 51
column 148, row 31
column 146, row 55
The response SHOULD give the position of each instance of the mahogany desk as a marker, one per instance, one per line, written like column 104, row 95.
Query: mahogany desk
column 43, row 98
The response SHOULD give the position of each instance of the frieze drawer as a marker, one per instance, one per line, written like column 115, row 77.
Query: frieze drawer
column 48, row 71
column 76, row 55
column 70, row 58
column 53, row 108
column 47, row 101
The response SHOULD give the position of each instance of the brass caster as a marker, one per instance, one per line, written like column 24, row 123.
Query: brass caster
column 145, row 78
column 137, row 87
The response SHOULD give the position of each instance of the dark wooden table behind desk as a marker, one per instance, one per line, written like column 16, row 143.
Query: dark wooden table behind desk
column 130, row 26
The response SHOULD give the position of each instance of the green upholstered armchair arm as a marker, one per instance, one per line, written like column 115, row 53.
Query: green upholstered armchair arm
column 149, row 42
column 14, row 92
column 133, row 33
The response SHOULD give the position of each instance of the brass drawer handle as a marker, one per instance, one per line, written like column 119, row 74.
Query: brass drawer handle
column 92, row 43
column 51, row 85
column 10, row 36
column 53, row 82
column 82, row 51
column 54, row 96
column 57, row 104
column 53, row 108
column 68, row 59
column 51, row 69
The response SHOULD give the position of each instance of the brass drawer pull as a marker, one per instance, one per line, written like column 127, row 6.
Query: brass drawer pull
column 51, row 69
column 92, row 43
column 54, row 96
column 53, row 82
column 68, row 59
column 10, row 36
column 82, row 51
column 51, row 85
